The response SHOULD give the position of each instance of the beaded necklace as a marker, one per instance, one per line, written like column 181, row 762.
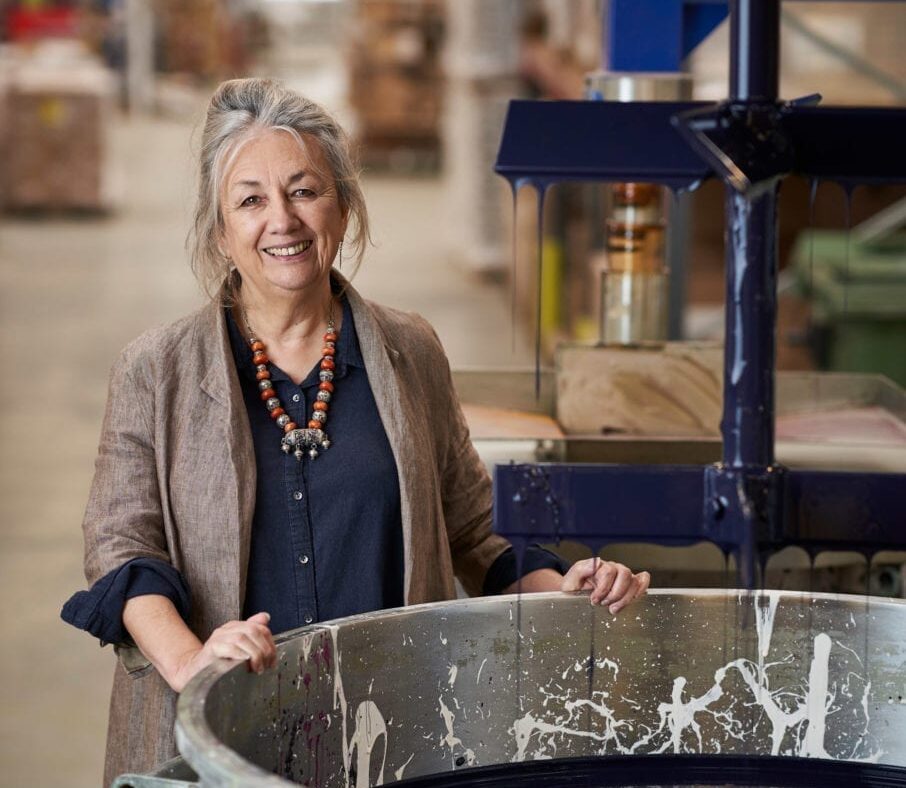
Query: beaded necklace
column 312, row 437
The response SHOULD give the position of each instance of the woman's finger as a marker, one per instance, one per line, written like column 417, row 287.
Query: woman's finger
column 622, row 583
column 251, row 646
column 638, row 587
column 228, row 649
column 578, row 574
column 604, row 580
column 260, row 618
column 258, row 645
column 251, row 637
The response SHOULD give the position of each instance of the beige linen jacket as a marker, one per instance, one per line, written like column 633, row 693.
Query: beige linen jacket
column 175, row 480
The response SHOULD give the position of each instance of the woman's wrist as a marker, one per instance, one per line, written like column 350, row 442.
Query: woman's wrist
column 163, row 637
column 182, row 669
column 537, row 581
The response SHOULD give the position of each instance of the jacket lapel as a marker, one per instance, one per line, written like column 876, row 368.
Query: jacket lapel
column 220, row 382
column 392, row 400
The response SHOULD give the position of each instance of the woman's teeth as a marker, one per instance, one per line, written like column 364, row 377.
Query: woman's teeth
column 286, row 251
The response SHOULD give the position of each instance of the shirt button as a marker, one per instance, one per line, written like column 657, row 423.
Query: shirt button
column 297, row 495
column 303, row 559
column 308, row 618
column 296, row 397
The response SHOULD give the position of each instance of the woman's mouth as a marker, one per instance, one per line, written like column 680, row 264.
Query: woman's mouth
column 288, row 251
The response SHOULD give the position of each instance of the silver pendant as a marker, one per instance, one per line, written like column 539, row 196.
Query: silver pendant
column 300, row 441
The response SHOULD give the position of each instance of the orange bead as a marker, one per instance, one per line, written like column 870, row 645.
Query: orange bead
column 277, row 412
column 328, row 351
column 314, row 425
column 290, row 426
column 325, row 385
column 264, row 375
column 327, row 363
column 257, row 345
column 330, row 336
column 320, row 406
column 260, row 358
column 267, row 394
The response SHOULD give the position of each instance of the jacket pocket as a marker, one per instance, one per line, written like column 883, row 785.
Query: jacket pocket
column 133, row 661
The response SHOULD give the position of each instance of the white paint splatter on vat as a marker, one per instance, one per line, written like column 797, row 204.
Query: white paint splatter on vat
column 451, row 740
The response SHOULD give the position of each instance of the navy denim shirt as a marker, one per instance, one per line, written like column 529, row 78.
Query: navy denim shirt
column 327, row 534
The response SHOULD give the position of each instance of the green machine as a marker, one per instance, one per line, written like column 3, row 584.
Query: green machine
column 856, row 282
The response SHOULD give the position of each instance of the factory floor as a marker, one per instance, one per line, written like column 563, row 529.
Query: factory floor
column 73, row 291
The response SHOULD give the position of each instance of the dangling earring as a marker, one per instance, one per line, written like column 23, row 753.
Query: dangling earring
column 340, row 256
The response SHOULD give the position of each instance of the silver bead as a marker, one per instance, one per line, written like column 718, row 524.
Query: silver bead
column 283, row 420
column 261, row 368
column 264, row 385
column 330, row 344
column 326, row 374
column 273, row 403
column 312, row 452
column 319, row 415
column 298, row 454
column 253, row 340
column 324, row 396
column 286, row 448
column 325, row 444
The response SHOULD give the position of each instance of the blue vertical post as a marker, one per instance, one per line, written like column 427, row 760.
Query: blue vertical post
column 747, row 427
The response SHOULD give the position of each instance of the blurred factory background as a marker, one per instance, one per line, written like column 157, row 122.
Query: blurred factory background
column 100, row 104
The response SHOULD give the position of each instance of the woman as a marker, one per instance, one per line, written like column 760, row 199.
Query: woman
column 290, row 452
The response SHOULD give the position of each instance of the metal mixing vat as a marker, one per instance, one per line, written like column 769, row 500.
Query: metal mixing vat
column 449, row 688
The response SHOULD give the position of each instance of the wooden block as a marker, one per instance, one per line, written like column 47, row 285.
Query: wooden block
column 671, row 389
column 489, row 422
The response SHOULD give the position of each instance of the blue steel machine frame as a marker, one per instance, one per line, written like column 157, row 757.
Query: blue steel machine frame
column 746, row 504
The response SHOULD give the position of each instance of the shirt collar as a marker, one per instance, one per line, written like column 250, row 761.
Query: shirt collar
column 349, row 353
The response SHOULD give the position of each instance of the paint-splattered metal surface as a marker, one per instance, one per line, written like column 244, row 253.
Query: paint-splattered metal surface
column 444, row 687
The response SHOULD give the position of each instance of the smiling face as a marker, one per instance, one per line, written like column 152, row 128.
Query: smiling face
column 282, row 221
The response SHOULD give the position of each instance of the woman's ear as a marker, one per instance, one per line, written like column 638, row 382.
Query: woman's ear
column 221, row 245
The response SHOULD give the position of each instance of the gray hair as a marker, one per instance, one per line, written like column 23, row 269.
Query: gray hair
column 239, row 109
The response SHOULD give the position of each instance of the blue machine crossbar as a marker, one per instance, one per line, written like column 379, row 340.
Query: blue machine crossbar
column 678, row 505
column 642, row 141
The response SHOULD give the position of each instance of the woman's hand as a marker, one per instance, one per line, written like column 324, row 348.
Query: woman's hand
column 242, row 640
column 610, row 583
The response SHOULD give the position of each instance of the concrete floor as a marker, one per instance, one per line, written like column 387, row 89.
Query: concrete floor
column 72, row 293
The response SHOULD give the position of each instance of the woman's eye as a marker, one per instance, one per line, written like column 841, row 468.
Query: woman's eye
column 253, row 200
column 303, row 193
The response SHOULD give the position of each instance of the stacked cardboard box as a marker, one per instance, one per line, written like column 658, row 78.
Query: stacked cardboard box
column 396, row 78
column 58, row 108
column 195, row 38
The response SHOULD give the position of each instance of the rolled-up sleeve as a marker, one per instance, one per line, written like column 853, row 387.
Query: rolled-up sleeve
column 508, row 568
column 126, row 553
column 99, row 610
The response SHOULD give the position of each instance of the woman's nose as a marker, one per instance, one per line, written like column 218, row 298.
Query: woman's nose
column 281, row 217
